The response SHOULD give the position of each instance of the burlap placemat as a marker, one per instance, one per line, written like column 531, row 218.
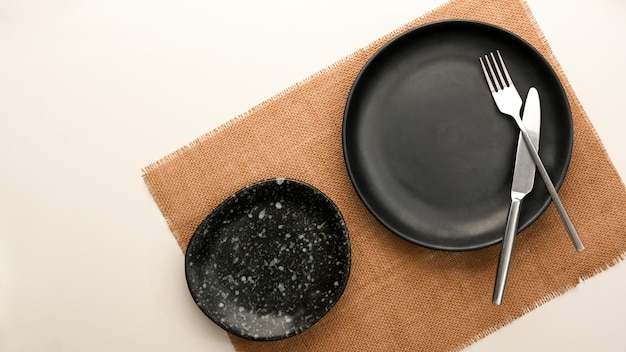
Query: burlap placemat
column 400, row 297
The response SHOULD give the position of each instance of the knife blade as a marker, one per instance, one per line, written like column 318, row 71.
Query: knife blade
column 523, row 181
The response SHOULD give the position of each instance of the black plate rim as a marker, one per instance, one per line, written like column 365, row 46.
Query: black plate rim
column 558, row 181
column 344, row 232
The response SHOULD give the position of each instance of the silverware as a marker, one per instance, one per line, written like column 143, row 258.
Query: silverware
column 523, row 181
column 509, row 102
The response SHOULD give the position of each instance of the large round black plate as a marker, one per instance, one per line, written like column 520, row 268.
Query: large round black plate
column 269, row 261
column 427, row 150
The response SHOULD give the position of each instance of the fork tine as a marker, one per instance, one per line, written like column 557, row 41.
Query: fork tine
column 495, row 63
column 493, row 75
column 486, row 75
column 506, row 72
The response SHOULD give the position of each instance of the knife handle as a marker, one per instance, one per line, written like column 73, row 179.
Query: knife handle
column 507, row 249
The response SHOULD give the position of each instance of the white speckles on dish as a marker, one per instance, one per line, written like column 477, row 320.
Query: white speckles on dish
column 270, row 261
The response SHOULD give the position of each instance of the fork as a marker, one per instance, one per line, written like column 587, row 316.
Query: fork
column 509, row 102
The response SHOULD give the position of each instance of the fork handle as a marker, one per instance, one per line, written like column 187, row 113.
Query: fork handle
column 550, row 186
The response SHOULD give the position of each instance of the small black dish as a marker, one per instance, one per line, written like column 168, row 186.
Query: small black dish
column 269, row 261
column 426, row 148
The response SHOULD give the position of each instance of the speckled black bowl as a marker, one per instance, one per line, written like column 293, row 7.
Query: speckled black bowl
column 270, row 261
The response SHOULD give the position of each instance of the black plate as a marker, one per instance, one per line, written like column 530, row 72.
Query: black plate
column 269, row 261
column 425, row 146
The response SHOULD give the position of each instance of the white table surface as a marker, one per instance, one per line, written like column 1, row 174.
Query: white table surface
column 92, row 91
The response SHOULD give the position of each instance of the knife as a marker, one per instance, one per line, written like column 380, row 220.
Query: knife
column 523, row 180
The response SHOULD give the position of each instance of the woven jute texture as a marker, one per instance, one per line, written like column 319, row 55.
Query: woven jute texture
column 400, row 297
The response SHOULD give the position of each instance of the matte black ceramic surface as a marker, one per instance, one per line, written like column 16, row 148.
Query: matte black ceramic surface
column 425, row 146
column 269, row 261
